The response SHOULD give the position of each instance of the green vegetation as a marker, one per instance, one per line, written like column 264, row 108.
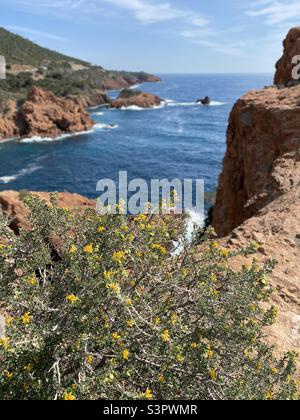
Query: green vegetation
column 100, row 307
column 65, row 76
column 18, row 50
column 129, row 93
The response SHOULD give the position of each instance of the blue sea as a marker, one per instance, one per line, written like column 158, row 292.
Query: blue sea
column 180, row 140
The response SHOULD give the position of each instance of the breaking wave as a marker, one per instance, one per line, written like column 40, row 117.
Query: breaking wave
column 23, row 172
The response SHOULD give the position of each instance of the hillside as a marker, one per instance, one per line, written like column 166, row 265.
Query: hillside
column 30, row 65
column 18, row 50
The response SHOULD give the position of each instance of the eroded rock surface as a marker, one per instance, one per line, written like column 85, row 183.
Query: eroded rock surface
column 12, row 206
column 258, row 196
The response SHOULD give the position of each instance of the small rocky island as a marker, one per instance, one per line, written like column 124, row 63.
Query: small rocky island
column 130, row 97
column 205, row 101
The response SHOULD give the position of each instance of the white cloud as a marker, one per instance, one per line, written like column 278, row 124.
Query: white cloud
column 275, row 12
column 145, row 11
column 33, row 32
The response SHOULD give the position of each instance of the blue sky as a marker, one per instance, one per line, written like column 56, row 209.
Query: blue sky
column 160, row 36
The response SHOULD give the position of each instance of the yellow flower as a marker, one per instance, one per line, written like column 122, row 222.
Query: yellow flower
column 215, row 245
column 119, row 257
column 224, row 252
column 161, row 378
column 157, row 321
column 148, row 394
column 194, row 346
column 115, row 287
column 273, row 370
column 161, row 249
column 28, row 368
column 126, row 354
column 9, row 375
column 101, row 229
column 68, row 396
column 213, row 374
column 209, row 354
column 128, row 301
column 180, row 358
column 107, row 275
column 130, row 323
column 8, row 321
column 26, row 387
column 165, row 336
column 213, row 278
column 26, row 318
column 32, row 281
column 72, row 298
column 141, row 218
column 139, row 254
column 90, row 359
column 4, row 342
column 174, row 319
column 72, row 250
column 132, row 283
column 88, row 249
column 269, row 395
column 116, row 336
column 131, row 237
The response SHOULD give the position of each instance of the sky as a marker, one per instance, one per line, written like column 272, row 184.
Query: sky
column 159, row 36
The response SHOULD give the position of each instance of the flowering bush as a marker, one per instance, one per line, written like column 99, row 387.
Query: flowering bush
column 102, row 307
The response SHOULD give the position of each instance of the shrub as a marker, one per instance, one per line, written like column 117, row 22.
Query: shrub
column 129, row 93
column 102, row 307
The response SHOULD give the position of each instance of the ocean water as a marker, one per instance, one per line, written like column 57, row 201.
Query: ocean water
column 180, row 140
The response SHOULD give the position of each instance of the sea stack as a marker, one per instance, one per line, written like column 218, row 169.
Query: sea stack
column 131, row 97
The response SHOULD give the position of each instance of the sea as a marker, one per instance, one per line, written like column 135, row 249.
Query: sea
column 179, row 139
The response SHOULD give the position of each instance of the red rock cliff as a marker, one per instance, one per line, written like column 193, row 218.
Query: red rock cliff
column 262, row 161
column 285, row 65
column 45, row 115
column 258, row 196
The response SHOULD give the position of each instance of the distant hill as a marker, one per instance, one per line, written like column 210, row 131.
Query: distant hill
column 18, row 50
column 30, row 65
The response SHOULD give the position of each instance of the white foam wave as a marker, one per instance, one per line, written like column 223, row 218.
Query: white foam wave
column 135, row 86
column 178, row 104
column 23, row 172
column 102, row 126
column 98, row 113
column 139, row 108
column 169, row 103
column 216, row 103
column 194, row 221
column 38, row 139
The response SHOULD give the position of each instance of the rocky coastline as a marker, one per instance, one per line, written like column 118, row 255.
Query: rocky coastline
column 44, row 114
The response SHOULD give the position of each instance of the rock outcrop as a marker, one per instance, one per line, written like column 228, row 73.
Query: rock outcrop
column 258, row 196
column 12, row 206
column 44, row 115
column 96, row 98
column 262, row 160
column 8, row 126
column 128, row 98
column 285, row 66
